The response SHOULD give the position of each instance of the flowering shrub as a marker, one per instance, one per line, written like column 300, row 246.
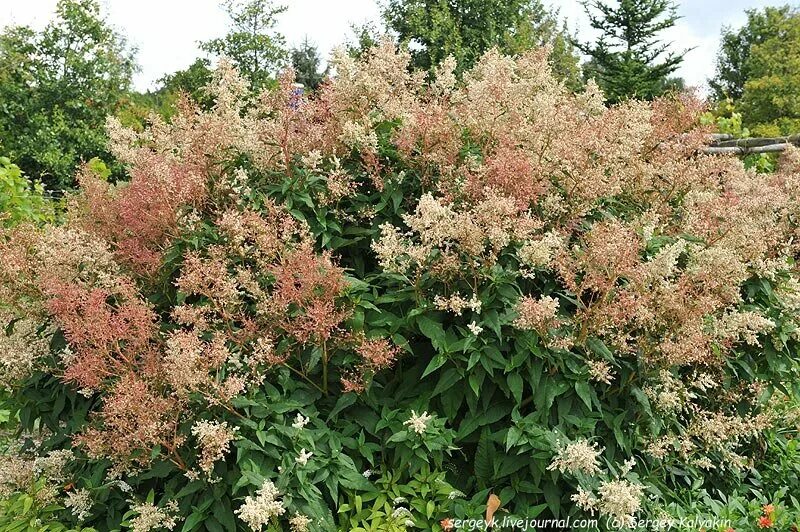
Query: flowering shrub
column 383, row 306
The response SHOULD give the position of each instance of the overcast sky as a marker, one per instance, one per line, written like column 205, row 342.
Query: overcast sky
column 166, row 32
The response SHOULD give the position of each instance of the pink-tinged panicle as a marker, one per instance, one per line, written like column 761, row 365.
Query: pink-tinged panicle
column 140, row 217
column 676, row 131
column 133, row 420
column 610, row 252
column 536, row 314
column 306, row 294
column 511, row 173
column 353, row 381
column 430, row 140
column 285, row 125
column 262, row 235
column 209, row 277
column 20, row 290
column 110, row 332
column 169, row 165
column 62, row 277
column 377, row 353
column 190, row 363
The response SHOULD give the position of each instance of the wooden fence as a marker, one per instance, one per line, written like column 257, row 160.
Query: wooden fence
column 724, row 143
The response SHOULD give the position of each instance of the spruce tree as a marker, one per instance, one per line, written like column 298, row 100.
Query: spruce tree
column 306, row 65
column 628, row 60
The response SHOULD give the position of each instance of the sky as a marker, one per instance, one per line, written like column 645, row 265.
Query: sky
column 166, row 32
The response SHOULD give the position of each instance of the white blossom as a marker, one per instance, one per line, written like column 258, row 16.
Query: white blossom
column 580, row 456
column 418, row 423
column 80, row 503
column 475, row 328
column 303, row 457
column 300, row 421
column 258, row 510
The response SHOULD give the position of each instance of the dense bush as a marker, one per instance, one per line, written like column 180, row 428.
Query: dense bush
column 398, row 303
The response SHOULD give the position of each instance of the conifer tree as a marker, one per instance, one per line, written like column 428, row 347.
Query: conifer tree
column 628, row 60
column 306, row 64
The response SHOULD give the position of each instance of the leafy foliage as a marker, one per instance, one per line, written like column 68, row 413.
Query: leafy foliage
column 306, row 65
column 21, row 200
column 190, row 82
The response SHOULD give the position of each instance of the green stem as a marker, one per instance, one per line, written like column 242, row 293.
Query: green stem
column 325, row 368
column 304, row 377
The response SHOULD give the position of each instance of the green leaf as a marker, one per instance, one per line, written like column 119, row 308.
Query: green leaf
column 224, row 514
column 343, row 402
column 194, row 519
column 436, row 362
column 584, row 392
column 433, row 330
column 553, row 497
column 484, row 470
column 515, row 385
column 448, row 378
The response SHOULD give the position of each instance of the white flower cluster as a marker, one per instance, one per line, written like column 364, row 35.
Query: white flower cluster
column 620, row 499
column 600, row 371
column 539, row 253
column 79, row 503
column 474, row 328
column 669, row 394
column 300, row 523
column 577, row 457
column 214, row 438
column 303, row 457
column 151, row 517
column 457, row 304
column 258, row 510
column 300, row 421
column 418, row 422
column 20, row 350
column 742, row 326
column 402, row 513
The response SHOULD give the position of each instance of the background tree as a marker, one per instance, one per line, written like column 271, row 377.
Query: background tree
column 252, row 44
column 56, row 88
column 365, row 36
column 758, row 67
column 628, row 60
column 306, row 64
column 190, row 81
column 466, row 29
column 734, row 53
column 136, row 108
